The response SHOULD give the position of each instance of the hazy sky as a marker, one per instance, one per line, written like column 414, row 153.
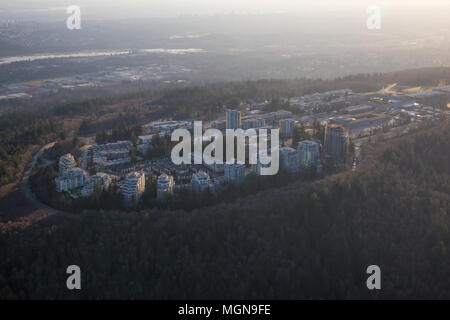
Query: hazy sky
column 164, row 8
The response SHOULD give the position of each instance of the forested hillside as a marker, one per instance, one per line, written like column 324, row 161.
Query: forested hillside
column 299, row 241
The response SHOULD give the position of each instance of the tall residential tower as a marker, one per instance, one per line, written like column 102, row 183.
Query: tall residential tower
column 233, row 119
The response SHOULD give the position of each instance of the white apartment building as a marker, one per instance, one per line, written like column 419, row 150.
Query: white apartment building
column 144, row 143
column 133, row 187
column 164, row 187
column 145, row 139
column 72, row 179
column 110, row 154
column 201, row 181
column 66, row 162
column 101, row 180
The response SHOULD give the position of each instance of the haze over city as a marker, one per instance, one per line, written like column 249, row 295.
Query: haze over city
column 205, row 150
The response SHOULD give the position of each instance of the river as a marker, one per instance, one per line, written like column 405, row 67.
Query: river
column 99, row 53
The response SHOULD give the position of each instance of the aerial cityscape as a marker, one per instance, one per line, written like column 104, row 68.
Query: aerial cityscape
column 311, row 142
column 209, row 153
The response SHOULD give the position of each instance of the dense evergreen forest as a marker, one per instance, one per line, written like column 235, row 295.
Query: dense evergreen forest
column 298, row 241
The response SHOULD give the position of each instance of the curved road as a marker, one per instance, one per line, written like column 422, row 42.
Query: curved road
column 26, row 176
column 26, row 188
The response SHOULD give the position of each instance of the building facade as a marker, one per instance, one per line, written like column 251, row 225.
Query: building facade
column 144, row 143
column 164, row 187
column 287, row 128
column 100, row 180
column 72, row 179
column 336, row 140
column 233, row 119
column 66, row 162
column 110, row 154
column 253, row 123
column 133, row 187
column 200, row 181
column 308, row 154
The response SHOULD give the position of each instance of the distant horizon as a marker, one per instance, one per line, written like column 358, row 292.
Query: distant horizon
column 121, row 9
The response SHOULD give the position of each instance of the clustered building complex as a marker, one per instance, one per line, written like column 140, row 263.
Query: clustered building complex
column 110, row 154
column 304, row 158
column 71, row 178
column 99, row 180
column 359, row 116
column 115, row 160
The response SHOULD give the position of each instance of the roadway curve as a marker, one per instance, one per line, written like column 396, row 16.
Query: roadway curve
column 29, row 194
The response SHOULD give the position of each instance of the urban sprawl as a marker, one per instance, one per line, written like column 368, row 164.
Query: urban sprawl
column 363, row 116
